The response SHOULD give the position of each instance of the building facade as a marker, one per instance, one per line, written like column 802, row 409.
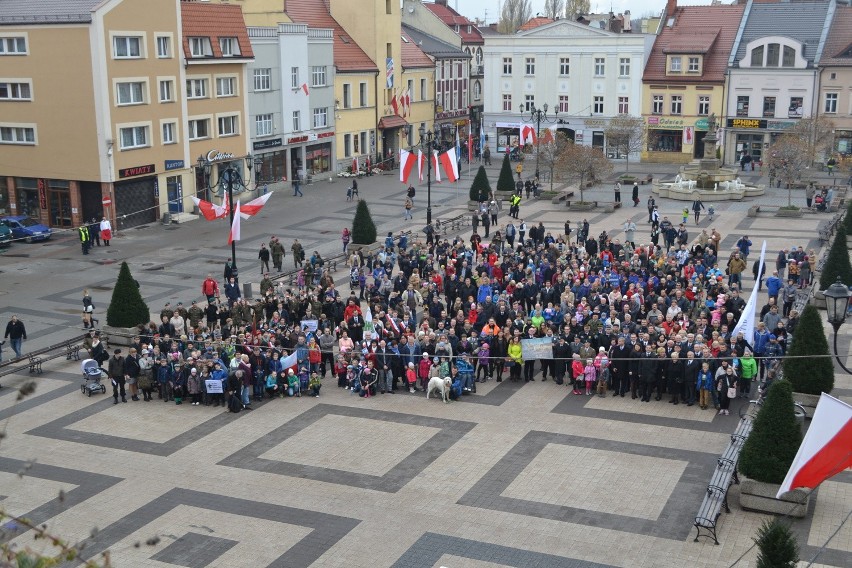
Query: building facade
column 835, row 81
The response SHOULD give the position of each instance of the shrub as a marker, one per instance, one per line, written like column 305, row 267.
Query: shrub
column 506, row 181
column 480, row 189
column 363, row 228
column 847, row 221
column 777, row 547
column 127, row 308
column 775, row 437
column 837, row 263
column 808, row 367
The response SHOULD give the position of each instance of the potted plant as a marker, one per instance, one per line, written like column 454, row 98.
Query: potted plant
column 837, row 263
column 127, row 309
column 506, row 181
column 363, row 228
column 767, row 454
column 808, row 366
column 776, row 545
column 847, row 225
column 480, row 189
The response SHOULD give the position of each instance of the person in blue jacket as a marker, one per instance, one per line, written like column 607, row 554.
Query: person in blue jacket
column 773, row 285
column 466, row 373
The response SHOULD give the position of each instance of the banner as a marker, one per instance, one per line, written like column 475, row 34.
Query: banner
column 213, row 386
column 538, row 348
column 746, row 323
column 310, row 325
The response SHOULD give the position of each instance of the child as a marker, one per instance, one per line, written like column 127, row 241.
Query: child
column 602, row 367
column 576, row 373
column 423, row 371
column 293, row 384
column 591, row 375
column 411, row 377
column 304, row 379
column 315, row 384
column 704, row 384
column 483, row 362
column 340, row 371
column 685, row 215
column 272, row 384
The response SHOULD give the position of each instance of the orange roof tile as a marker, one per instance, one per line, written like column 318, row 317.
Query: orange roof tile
column 200, row 19
column 535, row 22
column 838, row 46
column 452, row 18
column 412, row 56
column 348, row 55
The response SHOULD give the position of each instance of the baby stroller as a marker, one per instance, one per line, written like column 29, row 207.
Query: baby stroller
column 92, row 374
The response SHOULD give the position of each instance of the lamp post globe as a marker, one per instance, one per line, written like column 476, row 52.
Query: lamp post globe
column 836, row 304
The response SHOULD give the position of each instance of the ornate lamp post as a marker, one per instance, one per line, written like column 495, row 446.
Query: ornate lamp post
column 203, row 167
column 538, row 116
column 428, row 140
column 836, row 303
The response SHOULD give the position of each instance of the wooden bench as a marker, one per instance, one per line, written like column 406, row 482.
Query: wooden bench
column 562, row 196
column 607, row 206
column 827, row 229
column 33, row 361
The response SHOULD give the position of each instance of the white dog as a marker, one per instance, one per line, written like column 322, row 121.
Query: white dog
column 440, row 385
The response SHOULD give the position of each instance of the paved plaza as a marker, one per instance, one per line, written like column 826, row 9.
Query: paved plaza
column 516, row 475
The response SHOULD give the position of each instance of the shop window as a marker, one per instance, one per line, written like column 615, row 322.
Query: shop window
column 769, row 107
column 742, row 105
column 26, row 192
column 665, row 141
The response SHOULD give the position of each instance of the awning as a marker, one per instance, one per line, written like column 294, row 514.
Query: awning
column 388, row 122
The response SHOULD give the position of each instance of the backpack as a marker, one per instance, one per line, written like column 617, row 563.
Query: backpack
column 411, row 191
column 234, row 404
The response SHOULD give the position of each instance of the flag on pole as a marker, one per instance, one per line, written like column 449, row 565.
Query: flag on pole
column 356, row 167
column 209, row 210
column 406, row 163
column 451, row 165
column 254, row 206
column 421, row 164
column 746, row 322
column 469, row 142
column 825, row 451
column 305, row 88
column 395, row 104
column 234, row 235
column 435, row 166
column 458, row 145
column 290, row 360
column 481, row 138
column 408, row 100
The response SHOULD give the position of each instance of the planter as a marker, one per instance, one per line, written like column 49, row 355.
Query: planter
column 472, row 205
column 760, row 497
column 356, row 247
column 581, row 206
column 818, row 299
column 809, row 401
column 120, row 335
column 789, row 213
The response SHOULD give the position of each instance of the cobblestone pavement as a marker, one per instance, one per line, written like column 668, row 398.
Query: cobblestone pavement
column 515, row 475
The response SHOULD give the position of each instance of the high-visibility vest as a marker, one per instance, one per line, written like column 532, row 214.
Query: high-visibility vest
column 84, row 234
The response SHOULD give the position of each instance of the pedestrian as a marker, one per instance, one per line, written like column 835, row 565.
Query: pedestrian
column 298, row 253
column 263, row 256
column 278, row 253
column 85, row 239
column 830, row 165
column 697, row 206
column 345, row 237
column 493, row 209
column 16, row 333
column 88, row 311
column 522, row 231
column 635, row 194
column 210, row 288
column 115, row 370
column 630, row 232
column 618, row 192
column 95, row 231
column 408, row 206
column 410, row 193
column 106, row 231
column 486, row 155
column 685, row 215
column 296, row 183
column 651, row 206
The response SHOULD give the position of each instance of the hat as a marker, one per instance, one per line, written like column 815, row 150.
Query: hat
column 411, row 365
column 194, row 371
column 117, row 351
column 772, row 336
column 602, row 350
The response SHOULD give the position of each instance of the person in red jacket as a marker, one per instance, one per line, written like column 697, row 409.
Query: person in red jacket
column 210, row 288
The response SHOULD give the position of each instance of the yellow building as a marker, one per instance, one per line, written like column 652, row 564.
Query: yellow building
column 418, row 77
column 107, row 131
column 684, row 79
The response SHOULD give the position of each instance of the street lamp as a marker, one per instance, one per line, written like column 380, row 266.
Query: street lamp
column 203, row 167
column 537, row 116
column 836, row 303
column 428, row 140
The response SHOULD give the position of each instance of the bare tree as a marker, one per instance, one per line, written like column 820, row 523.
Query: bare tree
column 584, row 163
column 574, row 8
column 515, row 14
column 550, row 152
column 817, row 134
column 626, row 134
column 553, row 8
column 787, row 159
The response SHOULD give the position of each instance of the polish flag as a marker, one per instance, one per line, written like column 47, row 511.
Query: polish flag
column 421, row 164
column 825, row 451
column 305, row 88
column 527, row 132
column 234, row 235
column 435, row 166
column 355, row 165
column 210, row 211
column 469, row 143
column 406, row 163
column 451, row 165
column 408, row 100
column 395, row 105
column 254, row 206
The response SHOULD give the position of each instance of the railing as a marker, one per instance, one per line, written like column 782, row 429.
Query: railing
column 288, row 28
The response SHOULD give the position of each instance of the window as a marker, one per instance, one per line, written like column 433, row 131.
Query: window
column 657, row 105
column 130, row 93
column 677, row 104
column 347, row 95
column 529, row 103
column 789, row 59
column 196, row 88
column 742, row 105
column 507, row 66
column 830, row 103
column 564, row 66
column 388, row 7
column 795, row 110
column 507, row 103
column 167, row 91
column 529, row 67
column 169, row 133
column 15, row 92
column 773, row 51
column 226, row 86
column 363, row 136
column 757, row 56
column 228, row 125
column 230, row 46
column 477, row 90
column 127, row 47
column 624, row 67
column 263, row 79
column 263, row 125
column 13, row 46
column 294, row 78
column 703, row 105
column 199, row 129
column 133, row 137
column 674, row 64
column 423, row 93
column 693, row 65
column 347, row 145
column 200, row 47
column 563, row 103
column 362, row 93
column 357, row 145
column 623, row 105
column 318, row 76
column 17, row 135
column 297, row 121
column 320, row 117
column 164, row 47
column 600, row 66
column 769, row 107
column 597, row 105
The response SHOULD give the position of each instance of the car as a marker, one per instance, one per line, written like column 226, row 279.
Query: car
column 5, row 235
column 26, row 228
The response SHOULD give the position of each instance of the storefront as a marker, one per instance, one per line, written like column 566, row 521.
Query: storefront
column 136, row 199
column 310, row 154
column 318, row 158
column 508, row 135
column 674, row 139
column 754, row 137
column 843, row 142
column 448, row 122
column 270, row 161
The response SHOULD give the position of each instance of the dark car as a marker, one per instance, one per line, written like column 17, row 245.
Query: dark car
column 5, row 235
column 26, row 228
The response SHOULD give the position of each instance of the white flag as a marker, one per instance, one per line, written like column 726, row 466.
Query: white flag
column 746, row 323
column 289, row 361
column 235, row 226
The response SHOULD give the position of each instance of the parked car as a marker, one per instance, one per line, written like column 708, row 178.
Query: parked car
column 5, row 235
column 26, row 228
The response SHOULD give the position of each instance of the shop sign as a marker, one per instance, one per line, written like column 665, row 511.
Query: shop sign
column 594, row 122
column 174, row 165
column 297, row 139
column 325, row 134
column 217, row 156
column 701, row 124
column 451, row 114
column 746, row 123
column 137, row 171
column 42, row 194
column 652, row 120
column 262, row 144
column 779, row 124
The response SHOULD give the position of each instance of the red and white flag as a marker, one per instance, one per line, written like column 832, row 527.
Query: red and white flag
column 355, row 165
column 210, row 211
column 469, row 143
column 395, row 105
column 305, row 88
column 406, row 163
column 421, row 164
column 826, row 449
column 408, row 100
column 527, row 132
column 254, row 206
column 451, row 165
column 435, row 166
column 234, row 235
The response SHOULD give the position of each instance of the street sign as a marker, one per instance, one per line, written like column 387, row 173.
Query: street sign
column 106, row 201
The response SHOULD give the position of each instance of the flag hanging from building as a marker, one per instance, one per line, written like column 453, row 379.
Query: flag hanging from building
column 389, row 73
column 451, row 165
column 395, row 104
column 406, row 163
column 746, row 322
column 234, row 235
column 408, row 101
column 825, row 451
column 305, row 88
column 481, row 138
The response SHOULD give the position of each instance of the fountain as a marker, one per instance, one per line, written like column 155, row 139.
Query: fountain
column 706, row 179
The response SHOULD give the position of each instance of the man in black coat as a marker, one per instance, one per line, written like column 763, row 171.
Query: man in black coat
column 691, row 367
column 561, row 358
column 116, row 373
column 648, row 368
column 620, row 357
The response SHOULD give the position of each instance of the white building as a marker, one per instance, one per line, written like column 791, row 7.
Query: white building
column 588, row 75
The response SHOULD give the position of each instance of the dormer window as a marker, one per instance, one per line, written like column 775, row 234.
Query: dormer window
column 789, row 59
column 757, row 56
column 230, row 46
column 694, row 65
column 776, row 55
column 457, row 28
column 469, row 29
column 674, row 64
column 200, row 47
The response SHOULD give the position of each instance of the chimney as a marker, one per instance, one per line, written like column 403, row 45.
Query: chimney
column 671, row 6
column 441, row 2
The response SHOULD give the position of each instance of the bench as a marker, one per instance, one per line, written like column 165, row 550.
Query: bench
column 724, row 475
column 33, row 361
column 828, row 228
column 562, row 196
column 607, row 206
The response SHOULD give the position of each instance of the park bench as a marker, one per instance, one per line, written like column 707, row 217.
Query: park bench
column 755, row 209
column 562, row 196
column 456, row 223
column 724, row 475
column 607, row 206
column 33, row 361
column 827, row 228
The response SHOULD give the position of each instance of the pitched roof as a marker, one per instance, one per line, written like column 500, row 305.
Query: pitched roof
column 452, row 19
column 412, row 56
column 14, row 12
column 802, row 21
column 535, row 22
column 709, row 30
column 433, row 46
column 200, row 19
column 348, row 55
column 838, row 46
